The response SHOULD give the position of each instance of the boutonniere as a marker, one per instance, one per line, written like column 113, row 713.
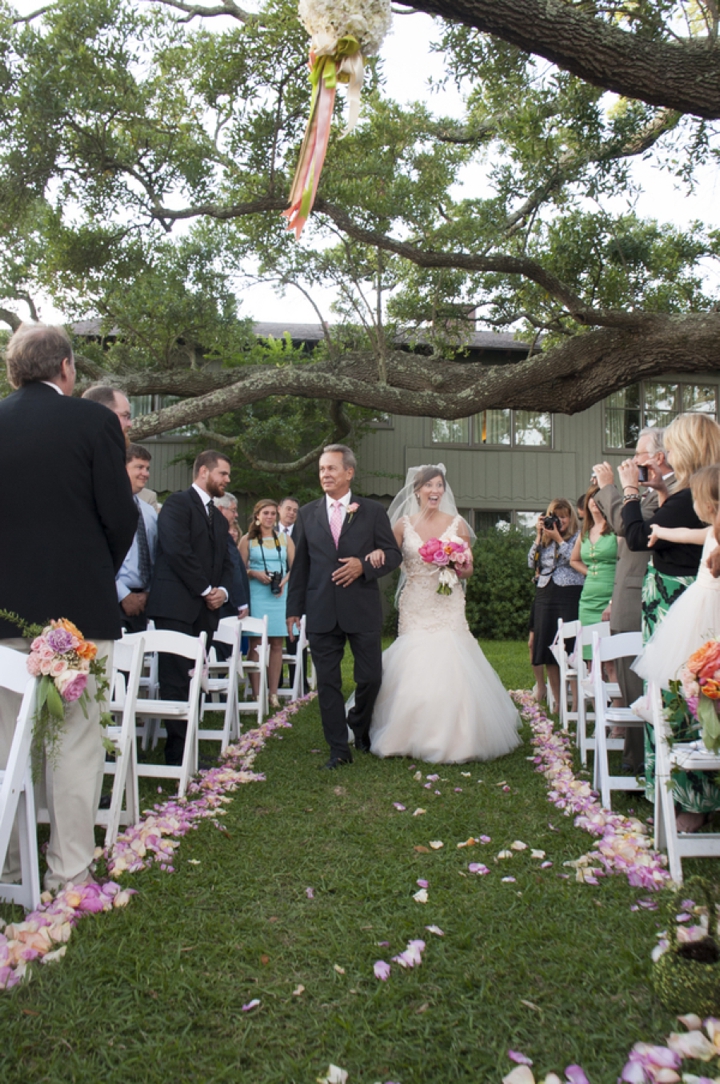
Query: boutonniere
column 351, row 510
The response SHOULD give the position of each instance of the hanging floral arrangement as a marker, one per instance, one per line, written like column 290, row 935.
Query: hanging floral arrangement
column 344, row 33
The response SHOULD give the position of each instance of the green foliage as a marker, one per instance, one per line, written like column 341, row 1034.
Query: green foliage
column 501, row 589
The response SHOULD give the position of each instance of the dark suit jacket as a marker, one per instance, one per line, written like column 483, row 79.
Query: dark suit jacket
column 188, row 559
column 240, row 593
column 356, row 608
column 68, row 516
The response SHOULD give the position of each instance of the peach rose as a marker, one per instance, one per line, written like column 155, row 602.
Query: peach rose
column 706, row 660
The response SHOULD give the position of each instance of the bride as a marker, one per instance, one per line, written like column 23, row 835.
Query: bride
column 440, row 699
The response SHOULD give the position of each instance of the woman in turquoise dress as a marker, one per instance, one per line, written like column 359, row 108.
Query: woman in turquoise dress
column 595, row 555
column 268, row 556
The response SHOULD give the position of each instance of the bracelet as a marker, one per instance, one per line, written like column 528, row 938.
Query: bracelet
column 631, row 497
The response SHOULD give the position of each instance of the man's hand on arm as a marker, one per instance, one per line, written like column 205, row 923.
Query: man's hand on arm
column 352, row 569
column 134, row 603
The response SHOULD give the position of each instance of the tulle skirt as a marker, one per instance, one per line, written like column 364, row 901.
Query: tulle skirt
column 691, row 620
column 442, row 702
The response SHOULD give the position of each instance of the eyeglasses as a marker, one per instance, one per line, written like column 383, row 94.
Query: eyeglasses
column 127, row 416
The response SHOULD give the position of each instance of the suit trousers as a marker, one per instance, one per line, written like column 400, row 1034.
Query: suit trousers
column 174, row 678
column 70, row 788
column 327, row 649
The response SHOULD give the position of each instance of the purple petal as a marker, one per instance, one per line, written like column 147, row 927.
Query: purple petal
column 381, row 970
column 576, row 1075
column 521, row 1059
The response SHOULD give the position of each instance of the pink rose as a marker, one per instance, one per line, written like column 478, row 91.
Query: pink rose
column 71, row 684
column 45, row 652
column 33, row 665
column 352, row 508
column 37, row 643
column 430, row 547
column 440, row 557
column 58, row 667
column 45, row 665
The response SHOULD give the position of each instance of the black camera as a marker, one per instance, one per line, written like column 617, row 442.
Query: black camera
column 550, row 522
column 275, row 582
column 642, row 474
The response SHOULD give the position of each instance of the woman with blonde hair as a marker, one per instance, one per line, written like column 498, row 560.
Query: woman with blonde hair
column 268, row 556
column 558, row 589
column 692, row 441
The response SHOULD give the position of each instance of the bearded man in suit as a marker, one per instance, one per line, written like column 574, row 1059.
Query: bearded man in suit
column 192, row 577
column 61, row 565
column 335, row 585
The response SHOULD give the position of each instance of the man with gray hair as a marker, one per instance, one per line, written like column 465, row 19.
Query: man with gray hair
column 334, row 583
column 238, row 603
column 74, row 452
column 626, row 602
column 114, row 400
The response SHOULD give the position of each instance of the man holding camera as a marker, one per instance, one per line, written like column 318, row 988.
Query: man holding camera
column 625, row 610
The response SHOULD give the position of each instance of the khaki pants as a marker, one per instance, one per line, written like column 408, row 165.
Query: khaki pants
column 71, row 789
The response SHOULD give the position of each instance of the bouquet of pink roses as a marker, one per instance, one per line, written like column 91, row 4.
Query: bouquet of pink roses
column 446, row 555
column 63, row 660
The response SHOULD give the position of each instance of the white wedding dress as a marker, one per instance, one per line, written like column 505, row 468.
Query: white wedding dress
column 692, row 619
column 440, row 699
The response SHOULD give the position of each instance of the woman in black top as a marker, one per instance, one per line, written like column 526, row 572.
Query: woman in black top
column 692, row 441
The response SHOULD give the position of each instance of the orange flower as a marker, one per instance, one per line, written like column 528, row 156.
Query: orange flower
column 86, row 650
column 706, row 660
column 711, row 689
column 63, row 623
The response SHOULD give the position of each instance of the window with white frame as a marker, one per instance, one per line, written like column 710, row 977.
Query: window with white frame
column 496, row 428
column 653, row 403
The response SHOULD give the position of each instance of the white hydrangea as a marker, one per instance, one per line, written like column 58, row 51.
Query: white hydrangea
column 327, row 21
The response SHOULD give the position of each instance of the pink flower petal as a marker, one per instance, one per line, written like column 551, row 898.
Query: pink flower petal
column 521, row 1059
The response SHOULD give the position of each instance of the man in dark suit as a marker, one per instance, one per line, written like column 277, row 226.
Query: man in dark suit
column 192, row 577
column 335, row 585
column 62, row 562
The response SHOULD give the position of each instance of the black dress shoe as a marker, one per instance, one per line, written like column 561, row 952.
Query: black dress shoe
column 362, row 743
column 336, row 762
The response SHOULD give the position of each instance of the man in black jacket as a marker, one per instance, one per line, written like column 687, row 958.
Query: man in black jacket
column 192, row 577
column 335, row 585
column 61, row 563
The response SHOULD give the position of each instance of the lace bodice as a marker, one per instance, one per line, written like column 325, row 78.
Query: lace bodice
column 421, row 607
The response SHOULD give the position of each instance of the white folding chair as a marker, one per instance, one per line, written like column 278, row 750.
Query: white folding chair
column 689, row 757
column 220, row 692
column 585, row 688
column 605, row 649
column 17, row 801
column 297, row 689
column 192, row 648
column 128, row 658
column 256, row 627
column 567, row 630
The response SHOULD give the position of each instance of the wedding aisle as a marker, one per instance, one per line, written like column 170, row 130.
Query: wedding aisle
column 259, row 959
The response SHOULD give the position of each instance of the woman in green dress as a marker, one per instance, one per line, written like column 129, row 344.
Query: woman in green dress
column 595, row 555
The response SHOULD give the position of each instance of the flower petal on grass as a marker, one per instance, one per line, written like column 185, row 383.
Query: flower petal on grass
column 299, row 989
column 436, row 930
column 518, row 845
column 421, row 896
column 381, row 970
column 691, row 1021
column 422, row 883
column 518, row 1058
column 478, row 867
column 691, row 1044
column 576, row 1075
column 400, row 807
column 335, row 1075
column 521, row 1074
column 340, row 970
column 309, row 892
column 251, row 1005
column 505, row 854
column 509, row 880
column 537, row 854
column 419, row 812
column 436, row 844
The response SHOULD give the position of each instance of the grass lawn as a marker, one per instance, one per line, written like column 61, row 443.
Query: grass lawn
column 154, row 993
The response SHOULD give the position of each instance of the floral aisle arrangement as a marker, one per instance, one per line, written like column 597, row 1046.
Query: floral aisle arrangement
column 63, row 660
column 153, row 840
column 448, row 555
column 698, row 690
column 623, row 845
column 344, row 33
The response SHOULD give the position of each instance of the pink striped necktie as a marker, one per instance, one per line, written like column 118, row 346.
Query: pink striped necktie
column 336, row 522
